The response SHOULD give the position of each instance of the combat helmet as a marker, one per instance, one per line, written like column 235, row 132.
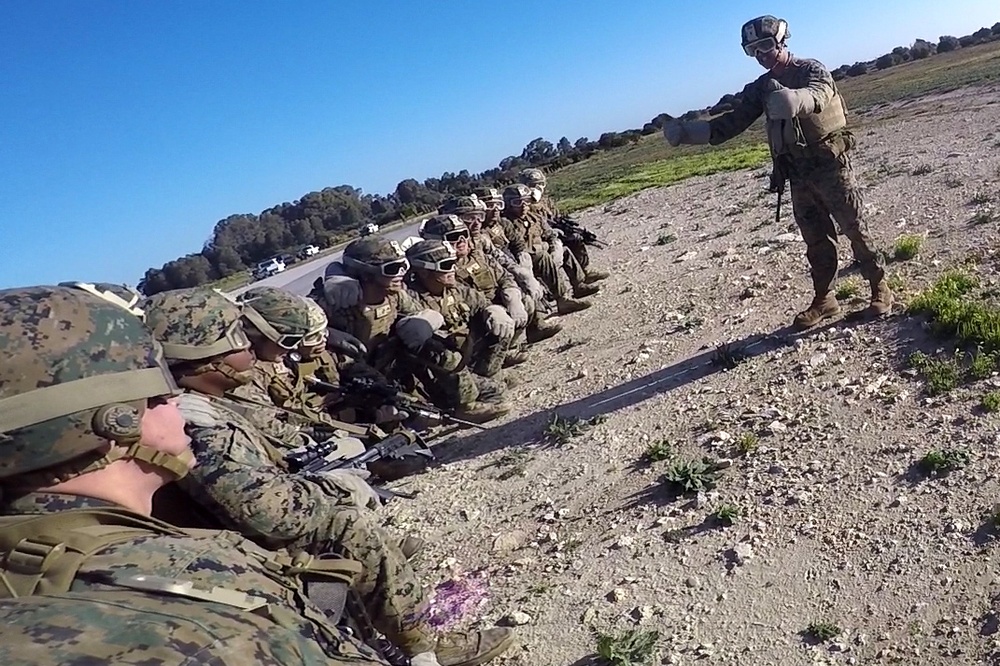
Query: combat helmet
column 375, row 256
column 318, row 323
column 517, row 194
column 532, row 177
column 77, row 373
column 279, row 315
column 764, row 33
column 120, row 294
column 462, row 205
column 197, row 327
column 490, row 196
column 450, row 228
column 433, row 255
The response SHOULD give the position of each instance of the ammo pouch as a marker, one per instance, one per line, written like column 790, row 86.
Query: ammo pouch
column 41, row 554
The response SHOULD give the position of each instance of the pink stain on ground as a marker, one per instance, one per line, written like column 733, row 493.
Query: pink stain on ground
column 455, row 601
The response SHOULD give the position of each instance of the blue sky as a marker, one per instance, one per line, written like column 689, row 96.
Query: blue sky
column 128, row 129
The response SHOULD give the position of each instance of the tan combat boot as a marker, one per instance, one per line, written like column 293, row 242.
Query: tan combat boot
column 565, row 306
column 822, row 307
column 474, row 647
column 542, row 330
column 411, row 546
column 583, row 290
column 481, row 412
column 881, row 303
column 594, row 275
column 516, row 357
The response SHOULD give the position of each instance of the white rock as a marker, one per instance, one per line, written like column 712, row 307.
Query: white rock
column 517, row 619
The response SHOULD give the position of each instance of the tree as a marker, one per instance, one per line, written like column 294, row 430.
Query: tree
column 857, row 69
column 996, row 28
column 967, row 41
column 921, row 49
column 886, row 61
column 582, row 143
column 983, row 35
column 539, row 151
column 564, row 146
column 947, row 43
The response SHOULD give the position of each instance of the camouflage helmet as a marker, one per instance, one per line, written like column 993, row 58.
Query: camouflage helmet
column 279, row 315
column 433, row 255
column 490, row 196
column 444, row 227
column 516, row 193
column 375, row 255
column 77, row 373
column 532, row 177
column 766, row 32
column 318, row 323
column 195, row 324
column 119, row 294
column 462, row 205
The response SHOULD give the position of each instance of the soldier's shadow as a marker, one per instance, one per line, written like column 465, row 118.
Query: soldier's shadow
column 530, row 428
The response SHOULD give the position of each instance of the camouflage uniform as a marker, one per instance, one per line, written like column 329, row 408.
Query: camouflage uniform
column 242, row 480
column 812, row 149
column 438, row 371
column 142, row 591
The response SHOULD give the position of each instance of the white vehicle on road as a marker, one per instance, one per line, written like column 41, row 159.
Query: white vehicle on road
column 369, row 229
column 267, row 268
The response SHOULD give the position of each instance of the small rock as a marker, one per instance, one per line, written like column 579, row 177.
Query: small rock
column 777, row 426
column 617, row 594
column 899, row 501
column 642, row 613
column 516, row 619
column 693, row 582
column 687, row 256
column 623, row 542
column 739, row 554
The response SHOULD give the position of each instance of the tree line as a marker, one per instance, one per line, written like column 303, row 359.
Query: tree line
column 336, row 214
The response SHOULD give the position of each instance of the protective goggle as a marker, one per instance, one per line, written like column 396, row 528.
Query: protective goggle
column 493, row 204
column 315, row 338
column 395, row 268
column 765, row 45
column 475, row 216
column 455, row 236
column 440, row 266
column 283, row 340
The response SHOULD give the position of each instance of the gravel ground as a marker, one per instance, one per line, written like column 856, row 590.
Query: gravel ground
column 837, row 526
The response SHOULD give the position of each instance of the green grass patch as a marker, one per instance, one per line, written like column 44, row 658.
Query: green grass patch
column 990, row 402
column 955, row 309
column 822, row 631
column 630, row 648
column 945, row 461
column 848, row 289
column 596, row 181
column 907, row 247
column 660, row 450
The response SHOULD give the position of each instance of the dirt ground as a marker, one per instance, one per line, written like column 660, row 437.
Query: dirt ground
column 836, row 527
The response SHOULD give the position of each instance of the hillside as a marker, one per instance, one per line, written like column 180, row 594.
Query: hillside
column 852, row 520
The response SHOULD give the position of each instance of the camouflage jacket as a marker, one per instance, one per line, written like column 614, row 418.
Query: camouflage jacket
column 515, row 230
column 821, row 130
column 459, row 305
column 242, row 480
column 483, row 273
column 104, row 620
column 254, row 403
column 372, row 324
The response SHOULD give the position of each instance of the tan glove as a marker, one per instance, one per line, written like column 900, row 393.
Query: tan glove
column 788, row 103
column 351, row 484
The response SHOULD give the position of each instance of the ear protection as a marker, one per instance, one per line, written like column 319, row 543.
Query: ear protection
column 118, row 422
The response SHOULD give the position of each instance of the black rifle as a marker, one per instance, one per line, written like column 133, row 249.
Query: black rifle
column 573, row 231
column 369, row 390
column 322, row 457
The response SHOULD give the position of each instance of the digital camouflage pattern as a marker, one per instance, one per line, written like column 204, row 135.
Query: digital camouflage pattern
column 101, row 621
column 532, row 177
column 57, row 335
column 242, row 481
column 194, row 317
column 819, row 169
column 284, row 311
column 366, row 255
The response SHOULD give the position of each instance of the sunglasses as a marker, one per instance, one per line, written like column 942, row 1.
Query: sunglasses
column 455, row 236
column 765, row 45
column 395, row 268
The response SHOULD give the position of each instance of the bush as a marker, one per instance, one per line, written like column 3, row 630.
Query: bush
column 922, row 49
column 858, row 69
column 887, row 61
column 947, row 43
column 967, row 41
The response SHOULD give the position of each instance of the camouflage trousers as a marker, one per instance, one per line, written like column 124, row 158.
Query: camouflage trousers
column 826, row 200
column 579, row 250
column 393, row 598
column 549, row 274
column 443, row 375
column 575, row 271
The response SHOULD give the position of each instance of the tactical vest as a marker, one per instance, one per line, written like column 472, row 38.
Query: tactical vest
column 42, row 553
column 473, row 271
column 377, row 321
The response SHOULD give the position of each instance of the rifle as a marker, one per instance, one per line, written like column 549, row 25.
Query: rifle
column 776, row 144
column 321, row 457
column 369, row 390
column 572, row 230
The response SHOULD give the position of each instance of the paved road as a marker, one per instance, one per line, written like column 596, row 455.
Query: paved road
column 299, row 278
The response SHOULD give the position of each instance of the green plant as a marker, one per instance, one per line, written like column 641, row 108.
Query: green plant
column 822, row 631
column 980, row 198
column 630, row 648
column 747, row 443
column 561, row 430
column 727, row 514
column 848, row 289
column 660, row 450
column 954, row 311
column 728, row 356
column 907, row 247
column 665, row 239
column 990, row 402
column 941, row 375
column 984, row 216
column 688, row 476
column 945, row 461
column 983, row 364
column 923, row 170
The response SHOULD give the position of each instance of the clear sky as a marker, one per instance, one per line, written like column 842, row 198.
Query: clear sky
column 128, row 129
